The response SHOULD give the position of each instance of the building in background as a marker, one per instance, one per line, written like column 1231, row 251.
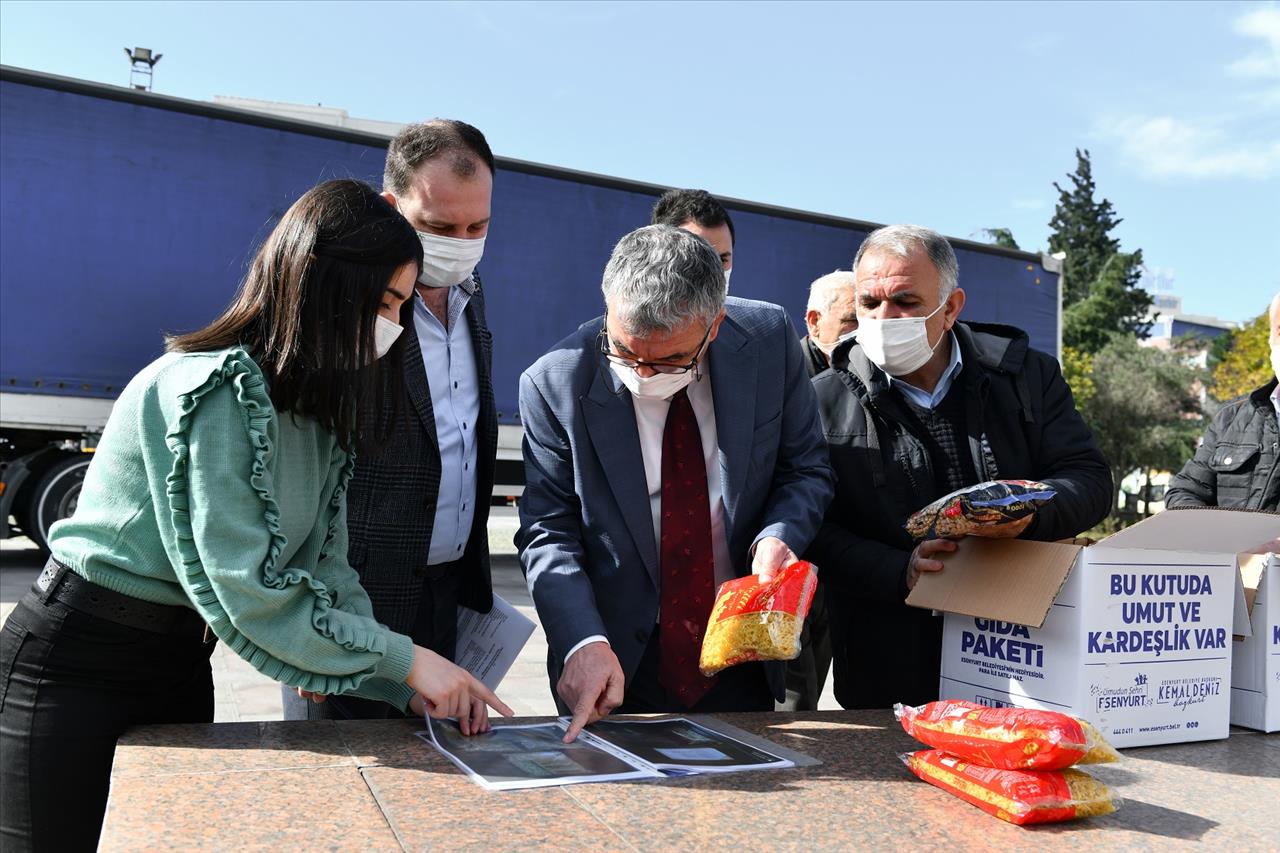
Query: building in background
column 318, row 114
column 1169, row 323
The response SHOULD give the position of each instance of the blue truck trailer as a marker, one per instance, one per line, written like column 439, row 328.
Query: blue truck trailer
column 125, row 214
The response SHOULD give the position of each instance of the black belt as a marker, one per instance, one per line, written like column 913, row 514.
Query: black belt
column 59, row 583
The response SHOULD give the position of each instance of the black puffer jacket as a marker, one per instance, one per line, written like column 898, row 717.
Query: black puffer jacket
column 1021, row 422
column 1236, row 465
column 815, row 360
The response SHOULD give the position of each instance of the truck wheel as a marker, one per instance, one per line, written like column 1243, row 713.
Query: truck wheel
column 54, row 496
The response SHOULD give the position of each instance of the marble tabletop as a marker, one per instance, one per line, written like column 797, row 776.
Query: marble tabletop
column 374, row 786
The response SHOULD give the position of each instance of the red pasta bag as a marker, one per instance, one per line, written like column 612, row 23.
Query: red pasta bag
column 1006, row 738
column 758, row 621
column 1018, row 796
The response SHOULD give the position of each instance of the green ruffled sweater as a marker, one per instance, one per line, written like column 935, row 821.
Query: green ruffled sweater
column 201, row 495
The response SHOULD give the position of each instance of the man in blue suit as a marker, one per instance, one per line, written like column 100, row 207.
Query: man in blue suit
column 671, row 445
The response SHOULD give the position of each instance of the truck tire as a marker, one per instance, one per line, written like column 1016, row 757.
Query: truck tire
column 53, row 497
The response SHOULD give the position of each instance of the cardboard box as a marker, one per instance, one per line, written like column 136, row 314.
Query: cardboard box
column 1255, row 660
column 1133, row 633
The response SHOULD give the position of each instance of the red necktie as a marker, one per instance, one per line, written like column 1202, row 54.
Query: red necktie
column 687, row 559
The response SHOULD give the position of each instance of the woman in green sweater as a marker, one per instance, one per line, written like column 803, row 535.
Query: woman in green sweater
column 215, row 509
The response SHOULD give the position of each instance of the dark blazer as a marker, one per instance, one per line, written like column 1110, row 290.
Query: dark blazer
column 586, row 533
column 1020, row 423
column 391, row 502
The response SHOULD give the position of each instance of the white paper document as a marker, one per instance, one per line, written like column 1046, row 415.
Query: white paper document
column 530, row 756
column 681, row 747
column 489, row 643
column 535, row 755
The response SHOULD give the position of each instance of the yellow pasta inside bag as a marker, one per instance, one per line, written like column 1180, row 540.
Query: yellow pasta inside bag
column 758, row 621
column 1018, row 796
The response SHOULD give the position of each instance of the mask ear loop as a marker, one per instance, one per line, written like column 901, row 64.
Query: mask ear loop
column 703, row 349
column 603, row 365
column 697, row 364
column 933, row 349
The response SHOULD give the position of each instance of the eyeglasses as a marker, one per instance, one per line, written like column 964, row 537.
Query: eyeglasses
column 656, row 367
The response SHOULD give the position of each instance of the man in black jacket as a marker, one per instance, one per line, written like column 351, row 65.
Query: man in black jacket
column 1236, row 465
column 918, row 406
column 418, row 509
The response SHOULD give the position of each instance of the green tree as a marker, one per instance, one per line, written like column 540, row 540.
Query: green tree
column 1245, row 364
column 1218, row 350
column 1142, row 408
column 1115, row 304
column 1002, row 237
column 1101, row 294
column 1077, row 369
column 1081, row 227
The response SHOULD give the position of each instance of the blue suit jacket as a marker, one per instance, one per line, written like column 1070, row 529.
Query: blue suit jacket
column 586, row 534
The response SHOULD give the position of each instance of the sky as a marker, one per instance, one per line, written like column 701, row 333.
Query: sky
column 958, row 116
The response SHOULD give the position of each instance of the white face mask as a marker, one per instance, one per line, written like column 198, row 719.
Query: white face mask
column 899, row 346
column 385, row 333
column 448, row 261
column 659, row 386
column 831, row 347
column 726, row 279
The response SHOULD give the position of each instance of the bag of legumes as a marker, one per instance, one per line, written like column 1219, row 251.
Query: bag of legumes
column 995, row 509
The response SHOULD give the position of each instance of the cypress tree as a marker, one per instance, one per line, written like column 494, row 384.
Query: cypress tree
column 1082, row 228
column 1101, row 296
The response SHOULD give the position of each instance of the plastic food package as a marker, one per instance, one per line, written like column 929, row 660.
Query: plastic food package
column 996, row 509
column 758, row 621
column 1018, row 796
column 1006, row 738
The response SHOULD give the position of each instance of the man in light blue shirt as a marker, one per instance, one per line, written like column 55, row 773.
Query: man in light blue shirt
column 418, row 508
column 449, row 359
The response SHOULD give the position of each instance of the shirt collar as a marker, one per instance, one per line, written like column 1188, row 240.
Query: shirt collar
column 459, row 296
column 1275, row 399
column 468, row 287
column 930, row 400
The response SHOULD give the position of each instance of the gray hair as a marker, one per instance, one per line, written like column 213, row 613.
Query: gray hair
column 903, row 240
column 660, row 278
column 823, row 291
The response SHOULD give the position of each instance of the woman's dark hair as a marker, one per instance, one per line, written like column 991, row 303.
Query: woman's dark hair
column 307, row 308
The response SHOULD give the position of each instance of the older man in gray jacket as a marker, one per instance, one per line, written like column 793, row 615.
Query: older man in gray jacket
column 1238, row 463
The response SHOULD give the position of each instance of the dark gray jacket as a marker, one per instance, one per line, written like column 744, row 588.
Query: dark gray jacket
column 815, row 360
column 1237, row 462
column 391, row 502
column 1021, row 423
